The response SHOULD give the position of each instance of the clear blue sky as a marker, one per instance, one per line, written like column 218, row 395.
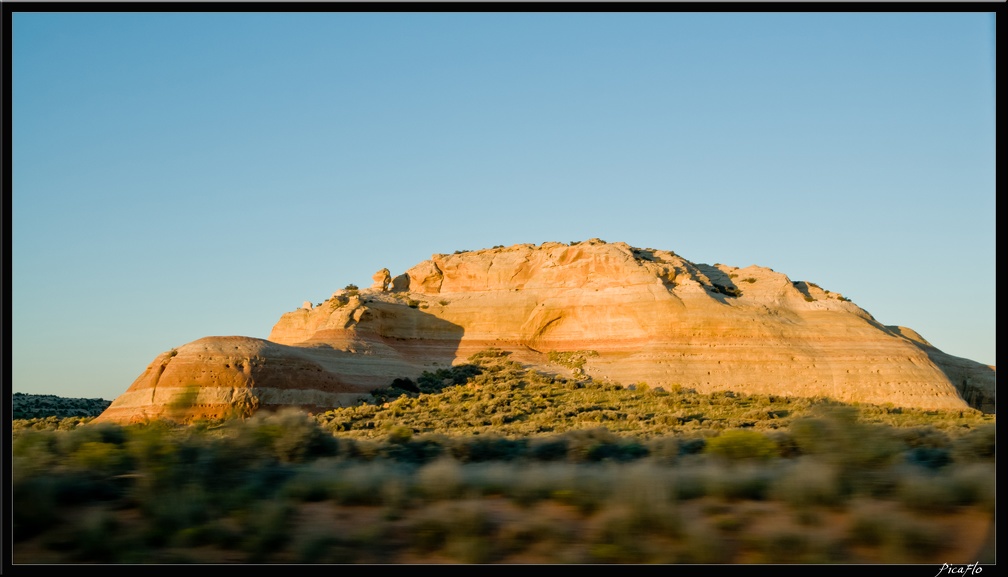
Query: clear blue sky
column 182, row 175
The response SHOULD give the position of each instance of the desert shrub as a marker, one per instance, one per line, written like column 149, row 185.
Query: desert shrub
column 619, row 537
column 525, row 533
column 703, row 544
column 308, row 485
column 265, row 528
column 806, row 482
column 975, row 483
column 901, row 537
column 360, row 483
column 663, row 449
column 693, row 482
column 642, row 485
column 692, row 446
column 741, row 444
column 96, row 538
column 435, row 381
column 592, row 444
column 924, row 437
column 405, row 384
column 290, row 435
column 155, row 456
column 787, row 447
column 34, row 451
column 868, row 528
column 491, row 477
column 836, row 434
column 36, row 507
column 538, row 481
column 441, row 479
column 18, row 426
column 909, row 539
column 100, row 459
column 976, row 445
column 415, row 451
column 260, row 480
column 571, row 359
column 174, row 510
column 106, row 433
column 746, row 481
column 929, row 457
column 469, row 517
column 429, row 533
column 489, row 353
column 491, row 447
column 547, row 448
column 220, row 463
column 928, row 492
column 399, row 435
column 464, row 531
column 622, row 450
column 585, row 485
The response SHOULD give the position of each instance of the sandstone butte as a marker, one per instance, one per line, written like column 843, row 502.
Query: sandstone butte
column 651, row 316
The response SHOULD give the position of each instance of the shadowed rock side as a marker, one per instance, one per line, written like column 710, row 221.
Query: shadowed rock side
column 647, row 315
column 974, row 381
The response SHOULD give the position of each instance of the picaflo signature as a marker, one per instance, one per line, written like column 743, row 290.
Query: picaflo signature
column 971, row 569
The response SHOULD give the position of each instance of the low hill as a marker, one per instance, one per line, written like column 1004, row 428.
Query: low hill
column 27, row 406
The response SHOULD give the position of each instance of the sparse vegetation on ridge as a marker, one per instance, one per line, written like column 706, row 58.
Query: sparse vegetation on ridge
column 571, row 359
column 27, row 406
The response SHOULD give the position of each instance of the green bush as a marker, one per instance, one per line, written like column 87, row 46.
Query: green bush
column 748, row 481
column 290, row 435
column 927, row 492
column 976, row 445
column 35, row 451
column 488, row 448
column 807, row 481
column 741, row 444
column 548, row 448
column 100, row 458
column 441, row 479
column 571, row 359
column 155, row 456
column 835, row 433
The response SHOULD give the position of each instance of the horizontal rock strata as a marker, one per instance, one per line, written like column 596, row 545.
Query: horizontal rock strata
column 647, row 316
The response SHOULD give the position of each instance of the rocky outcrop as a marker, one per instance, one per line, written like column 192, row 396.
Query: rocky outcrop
column 216, row 377
column 381, row 280
column 647, row 316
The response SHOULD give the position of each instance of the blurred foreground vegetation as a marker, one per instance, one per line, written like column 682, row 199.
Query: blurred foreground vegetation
column 489, row 462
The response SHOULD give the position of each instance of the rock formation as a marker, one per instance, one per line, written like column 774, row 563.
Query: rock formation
column 381, row 279
column 645, row 315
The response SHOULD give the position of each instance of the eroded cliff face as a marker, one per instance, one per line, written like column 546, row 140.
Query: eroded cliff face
column 650, row 315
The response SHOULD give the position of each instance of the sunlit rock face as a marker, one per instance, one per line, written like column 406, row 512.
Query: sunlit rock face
column 647, row 316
